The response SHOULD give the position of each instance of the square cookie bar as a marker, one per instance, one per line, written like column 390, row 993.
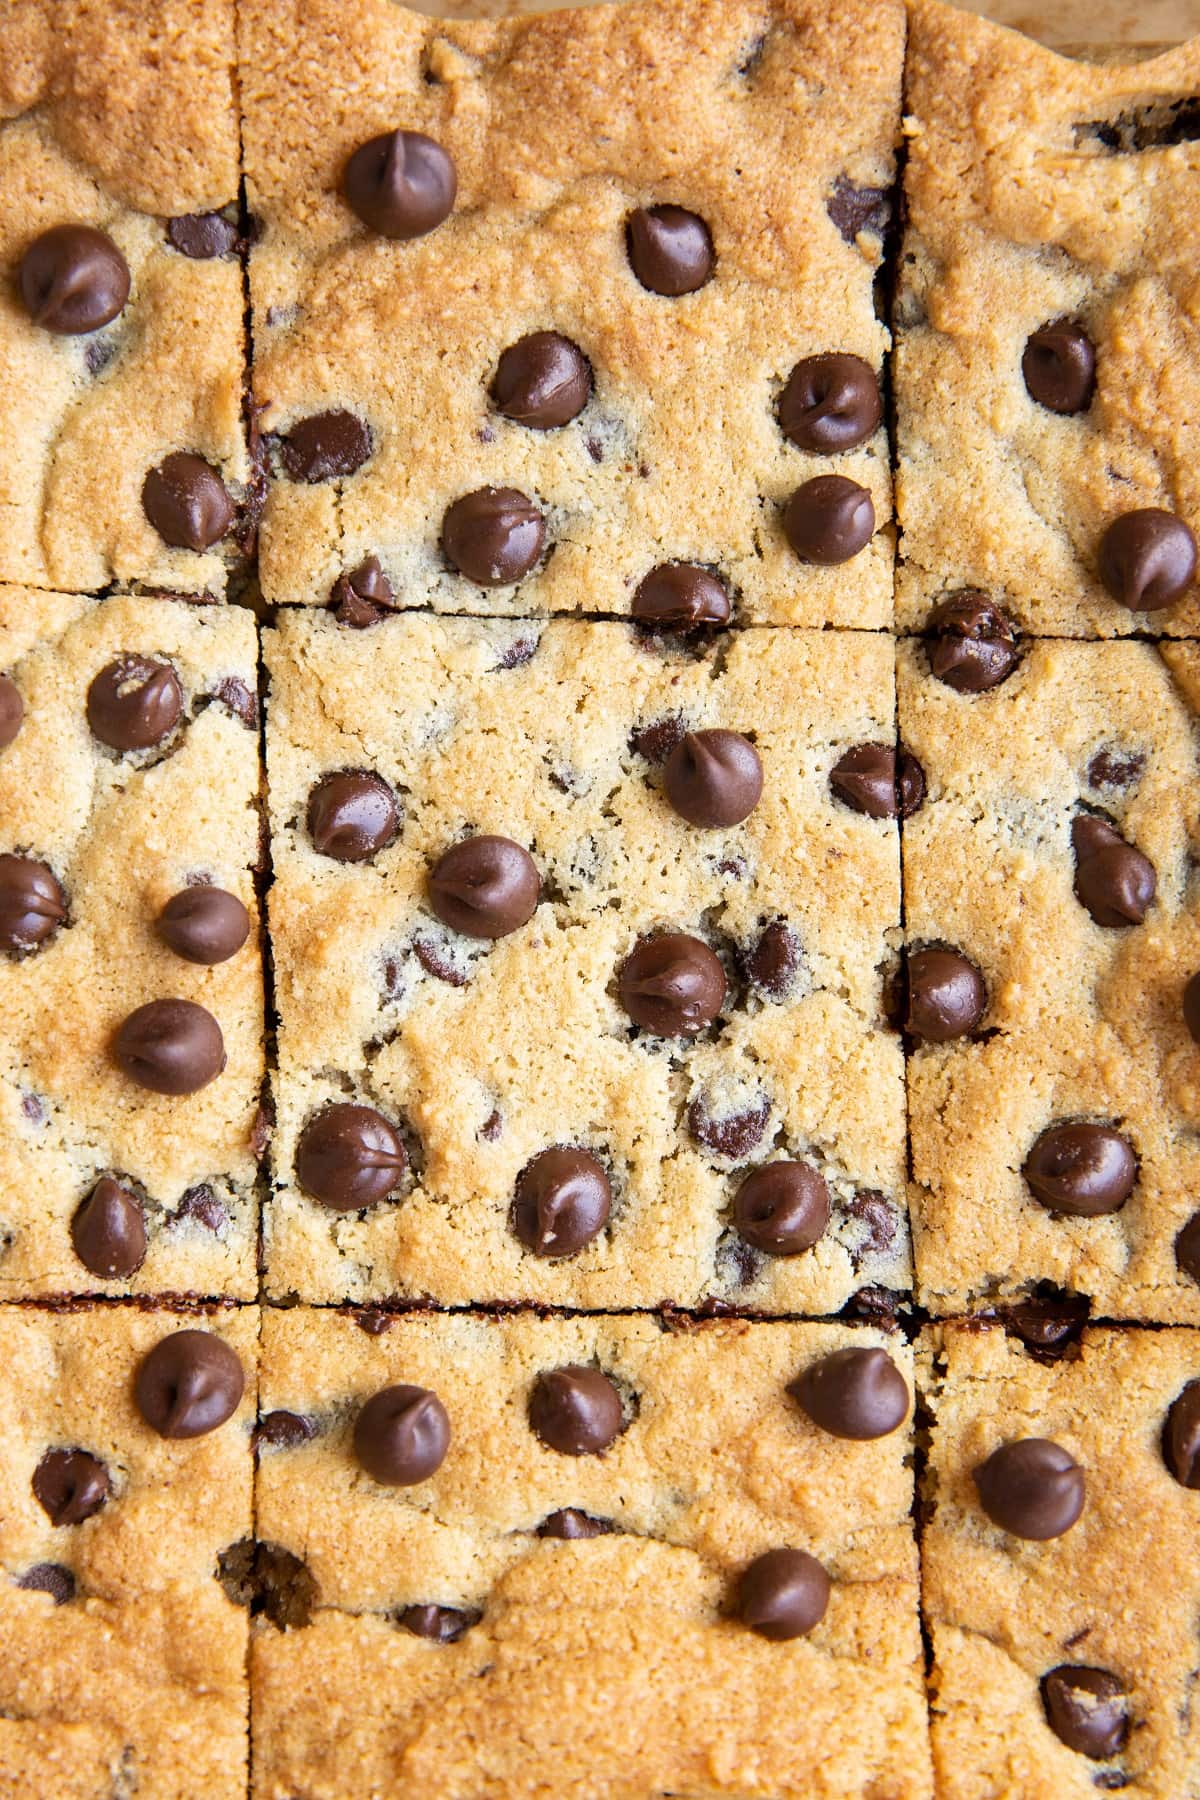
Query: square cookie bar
column 122, row 1661
column 537, row 1024
column 121, row 307
column 1059, row 1576
column 521, row 1556
column 130, row 977
column 1052, row 914
column 1047, row 374
column 544, row 304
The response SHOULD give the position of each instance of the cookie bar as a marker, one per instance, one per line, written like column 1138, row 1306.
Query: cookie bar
column 531, row 1578
column 130, row 979
column 1052, row 919
column 543, row 304
column 538, row 1026
column 122, row 1660
column 121, row 323
column 1046, row 371
column 1059, row 1579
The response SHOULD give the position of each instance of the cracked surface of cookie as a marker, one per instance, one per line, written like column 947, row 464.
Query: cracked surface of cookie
column 480, row 1053
column 678, row 455
column 1043, row 192
column 559, row 1661
column 1084, row 1022
column 1113, row 1597
column 122, row 1662
column 119, row 119
column 106, row 1185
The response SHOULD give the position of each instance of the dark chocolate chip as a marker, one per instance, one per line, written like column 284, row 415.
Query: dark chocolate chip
column 562, row 1201
column 1087, row 1709
column 1083, row 1170
column 571, row 1524
column 73, row 279
column 830, row 403
column 1191, row 1007
column 772, row 966
column 1113, row 881
column 188, row 1384
column 363, row 595
column 1147, row 559
column 401, row 183
column 134, row 702
column 1181, row 1437
column 857, row 209
column 853, row 1393
column 352, row 815
column 326, row 446
column 273, row 1583
column 945, row 995
column 877, row 1216
column 1031, row 1488
column 239, row 701
column 728, row 1134
column 782, row 1208
column 575, row 1410
column 204, row 924
column 1059, row 366
column 493, row 536
column 876, row 780
column 828, row 520
column 434, row 960
column 440, row 1624
column 109, row 1231
column 200, row 1206
column 972, row 643
column 12, row 710
column 485, row 887
column 70, row 1485
column 680, row 597
column 713, row 779
column 282, row 1430
column 1115, row 768
column 170, row 1047
column 202, row 236
column 49, row 1578
column 783, row 1595
column 401, row 1435
column 1048, row 1324
column 186, row 502
column 1187, row 1249
column 349, row 1157
column 672, row 985
column 670, row 250
column 656, row 740
column 32, row 904
column 542, row 381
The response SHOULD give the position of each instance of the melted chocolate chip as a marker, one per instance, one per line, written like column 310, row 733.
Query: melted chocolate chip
column 672, row 985
column 204, row 925
column 1048, row 1324
column 542, row 381
column 494, row 536
column 284, row 1430
column 713, row 779
column 189, row 1384
column 485, row 887
column 656, row 740
column 1147, row 559
column 73, row 279
column 402, row 184
column 32, row 904
column 570, row 1524
column 829, row 520
column 363, row 595
column 239, row 701
column 70, row 1486
column 270, row 1581
column 775, row 961
column 434, row 960
column 972, row 643
column 858, row 1394
column 202, row 236
column 670, row 250
column 1031, row 1488
column 857, row 209
column 12, row 710
column 1115, row 768
column 1083, row 1170
column 680, row 597
column 1181, row 1437
column 877, row 780
column 562, row 1201
column 1187, row 1249
column 186, row 502
column 170, row 1047
column 108, row 1231
column 1086, row 1709
column 1059, row 366
column 783, row 1594
column 200, row 1206
column 876, row 1214
column 352, row 815
column 1113, row 881
column 326, row 446
column 575, row 1410
column 439, row 1624
column 946, row 998
column 401, row 1435
column 831, row 403
column 49, row 1578
column 349, row 1157
column 134, row 703
column 729, row 1134
column 782, row 1208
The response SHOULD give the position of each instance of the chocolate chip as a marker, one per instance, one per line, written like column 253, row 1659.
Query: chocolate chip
column 670, row 250
column 830, row 403
column 783, row 1595
column 401, row 1435
column 570, row 1525
column 204, row 925
column 485, row 887
column 562, row 1201
column 284, row 1430
column 70, row 1486
column 828, row 520
column 772, row 966
column 1187, row 1249
column 729, row 1134
column 434, row 960
column 656, row 740
column 945, row 995
column 170, row 1047
column 1147, row 559
column 1082, row 1170
column 401, row 183
column 49, row 1578
column 73, row 279
column 542, row 380
column 877, row 780
column 1048, row 1324
column 440, row 1624
column 853, row 1393
column 32, row 904
column 1191, row 1007
column 493, row 536
column 1113, row 881
column 782, row 1208
column 857, row 209
column 1031, row 1488
column 1086, row 1709
column 134, row 702
column 352, row 815
column 972, row 643
column 575, row 1410
column 202, row 236
column 326, row 446
column 188, row 1384
column 713, row 779
column 1059, row 366
column 109, row 1231
column 270, row 1581
column 239, row 701
column 200, row 1206
column 12, row 710
column 877, row 1216
column 363, row 595
column 186, row 501
column 1181, row 1437
column 516, row 654
column 349, row 1157
column 1114, row 768
column 672, row 985
column 680, row 597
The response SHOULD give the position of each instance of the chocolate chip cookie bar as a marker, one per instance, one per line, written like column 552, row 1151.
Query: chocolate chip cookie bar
column 130, row 978
column 543, row 305
column 126, row 1476
column 1046, row 373
column 579, row 943
column 121, row 326
column 1053, row 926
column 513, row 1556
column 1059, row 1579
